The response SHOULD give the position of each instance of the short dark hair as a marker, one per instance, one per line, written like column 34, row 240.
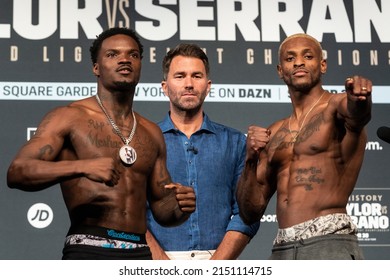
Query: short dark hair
column 190, row 50
column 97, row 44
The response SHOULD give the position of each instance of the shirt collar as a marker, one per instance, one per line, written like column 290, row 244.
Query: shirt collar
column 167, row 125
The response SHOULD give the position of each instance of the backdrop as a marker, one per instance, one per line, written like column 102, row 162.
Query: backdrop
column 45, row 63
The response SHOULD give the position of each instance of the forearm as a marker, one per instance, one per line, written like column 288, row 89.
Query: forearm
column 167, row 211
column 355, row 105
column 34, row 175
column 248, row 194
column 358, row 112
column 231, row 247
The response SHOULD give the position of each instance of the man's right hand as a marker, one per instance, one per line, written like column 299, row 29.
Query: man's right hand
column 257, row 139
column 104, row 170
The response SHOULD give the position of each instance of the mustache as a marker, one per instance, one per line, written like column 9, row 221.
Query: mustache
column 125, row 67
column 300, row 69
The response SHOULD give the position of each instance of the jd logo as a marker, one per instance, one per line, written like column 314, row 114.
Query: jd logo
column 40, row 215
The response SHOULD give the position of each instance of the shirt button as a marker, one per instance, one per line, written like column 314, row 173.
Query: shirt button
column 192, row 255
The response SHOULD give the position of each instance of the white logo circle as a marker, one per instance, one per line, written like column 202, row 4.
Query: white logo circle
column 40, row 215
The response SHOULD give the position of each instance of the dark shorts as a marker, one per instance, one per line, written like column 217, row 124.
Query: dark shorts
column 98, row 243
column 326, row 247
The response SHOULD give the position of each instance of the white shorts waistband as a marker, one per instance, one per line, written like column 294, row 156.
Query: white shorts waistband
column 190, row 255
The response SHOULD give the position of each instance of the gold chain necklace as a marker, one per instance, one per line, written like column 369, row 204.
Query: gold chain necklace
column 294, row 137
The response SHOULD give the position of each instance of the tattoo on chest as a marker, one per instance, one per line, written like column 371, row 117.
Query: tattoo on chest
column 100, row 141
column 312, row 126
column 309, row 176
column 279, row 142
column 96, row 136
column 145, row 147
column 92, row 124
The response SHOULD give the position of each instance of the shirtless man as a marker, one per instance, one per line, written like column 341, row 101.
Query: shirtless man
column 107, row 159
column 311, row 159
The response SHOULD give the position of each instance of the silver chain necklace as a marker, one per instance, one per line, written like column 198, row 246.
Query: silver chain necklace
column 127, row 153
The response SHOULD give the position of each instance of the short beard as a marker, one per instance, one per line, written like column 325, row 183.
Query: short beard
column 124, row 86
column 303, row 87
column 306, row 87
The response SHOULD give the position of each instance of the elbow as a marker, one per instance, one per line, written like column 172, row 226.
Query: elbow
column 172, row 222
column 16, row 178
column 172, row 218
column 251, row 213
column 249, row 218
column 13, row 179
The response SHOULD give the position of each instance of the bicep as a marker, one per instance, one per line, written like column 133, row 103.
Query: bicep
column 47, row 141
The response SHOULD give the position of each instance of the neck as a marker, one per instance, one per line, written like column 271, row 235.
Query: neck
column 187, row 122
column 303, row 102
column 118, row 105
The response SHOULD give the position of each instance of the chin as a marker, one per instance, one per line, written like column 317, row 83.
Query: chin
column 124, row 85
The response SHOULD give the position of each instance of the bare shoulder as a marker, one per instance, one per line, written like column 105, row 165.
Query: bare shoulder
column 150, row 134
column 64, row 117
column 335, row 99
column 276, row 125
column 150, row 126
column 83, row 105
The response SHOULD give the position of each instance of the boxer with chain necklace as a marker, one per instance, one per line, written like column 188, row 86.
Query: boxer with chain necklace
column 75, row 147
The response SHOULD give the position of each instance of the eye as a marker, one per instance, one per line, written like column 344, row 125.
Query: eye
column 110, row 54
column 135, row 55
column 290, row 58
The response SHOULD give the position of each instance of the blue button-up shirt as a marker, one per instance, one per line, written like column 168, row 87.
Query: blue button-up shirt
column 211, row 162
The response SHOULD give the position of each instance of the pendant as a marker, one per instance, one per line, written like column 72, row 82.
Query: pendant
column 127, row 154
column 294, row 137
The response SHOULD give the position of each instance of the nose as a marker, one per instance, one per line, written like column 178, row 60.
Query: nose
column 124, row 59
column 299, row 61
column 188, row 83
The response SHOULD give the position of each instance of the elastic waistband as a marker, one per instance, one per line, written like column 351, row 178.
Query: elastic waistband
column 337, row 223
column 314, row 240
column 107, row 233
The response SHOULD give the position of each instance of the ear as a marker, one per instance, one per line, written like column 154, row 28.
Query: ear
column 95, row 69
column 324, row 66
column 164, row 87
column 280, row 71
column 208, row 87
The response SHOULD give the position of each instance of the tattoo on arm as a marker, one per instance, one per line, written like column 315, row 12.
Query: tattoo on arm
column 45, row 151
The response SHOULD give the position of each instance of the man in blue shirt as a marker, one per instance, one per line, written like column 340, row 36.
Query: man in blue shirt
column 205, row 155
